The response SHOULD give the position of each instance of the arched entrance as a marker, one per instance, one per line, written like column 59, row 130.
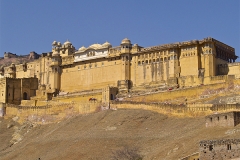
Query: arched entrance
column 24, row 96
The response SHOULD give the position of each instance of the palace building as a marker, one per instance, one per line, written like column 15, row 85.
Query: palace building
column 118, row 70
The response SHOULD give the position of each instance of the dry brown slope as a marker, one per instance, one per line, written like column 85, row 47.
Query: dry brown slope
column 96, row 135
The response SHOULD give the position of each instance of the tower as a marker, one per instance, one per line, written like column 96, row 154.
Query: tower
column 55, row 67
column 126, row 47
column 125, row 83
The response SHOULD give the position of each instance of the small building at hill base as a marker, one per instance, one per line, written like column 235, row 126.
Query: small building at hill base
column 219, row 149
column 229, row 119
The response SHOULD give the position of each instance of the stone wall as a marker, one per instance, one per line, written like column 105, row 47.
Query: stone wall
column 50, row 113
column 193, row 94
column 220, row 149
column 191, row 110
column 222, row 107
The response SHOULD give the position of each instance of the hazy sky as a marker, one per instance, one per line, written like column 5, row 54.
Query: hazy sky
column 32, row 25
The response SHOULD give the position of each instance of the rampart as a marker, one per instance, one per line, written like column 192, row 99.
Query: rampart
column 49, row 113
column 188, row 109
column 55, row 111
column 193, row 94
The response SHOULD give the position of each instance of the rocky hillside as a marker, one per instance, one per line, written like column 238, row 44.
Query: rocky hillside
column 10, row 58
column 105, row 134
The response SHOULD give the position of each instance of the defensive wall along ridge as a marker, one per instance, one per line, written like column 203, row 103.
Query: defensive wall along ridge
column 173, row 109
column 54, row 112
column 63, row 106
column 49, row 113
column 194, row 94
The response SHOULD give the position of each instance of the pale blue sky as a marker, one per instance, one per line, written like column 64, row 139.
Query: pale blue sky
column 32, row 25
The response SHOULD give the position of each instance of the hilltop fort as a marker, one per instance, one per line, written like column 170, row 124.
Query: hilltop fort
column 192, row 78
column 117, row 71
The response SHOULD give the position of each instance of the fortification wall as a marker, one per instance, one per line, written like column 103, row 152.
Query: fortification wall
column 55, row 111
column 79, row 98
column 173, row 109
column 191, row 93
column 158, row 107
column 50, row 113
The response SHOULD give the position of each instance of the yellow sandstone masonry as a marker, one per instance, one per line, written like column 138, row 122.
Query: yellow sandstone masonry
column 100, row 73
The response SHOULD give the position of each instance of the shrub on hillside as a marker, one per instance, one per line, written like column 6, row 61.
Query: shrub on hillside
column 127, row 153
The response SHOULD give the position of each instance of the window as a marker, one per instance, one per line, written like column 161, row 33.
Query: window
column 229, row 147
column 210, row 147
column 225, row 117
